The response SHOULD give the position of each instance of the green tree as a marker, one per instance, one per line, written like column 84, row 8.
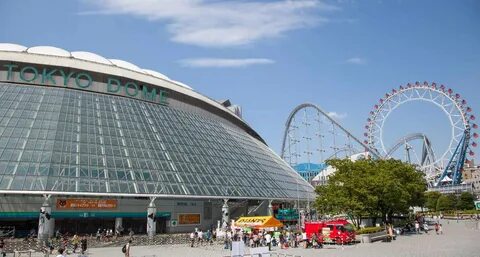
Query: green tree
column 377, row 188
column 466, row 201
column 431, row 199
column 446, row 202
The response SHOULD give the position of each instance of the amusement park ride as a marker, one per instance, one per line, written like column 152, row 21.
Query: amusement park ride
column 314, row 136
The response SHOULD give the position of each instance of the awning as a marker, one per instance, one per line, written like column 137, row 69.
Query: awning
column 446, row 179
column 258, row 222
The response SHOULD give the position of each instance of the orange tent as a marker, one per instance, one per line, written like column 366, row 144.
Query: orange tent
column 258, row 222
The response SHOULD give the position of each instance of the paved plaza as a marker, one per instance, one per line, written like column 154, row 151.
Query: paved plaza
column 459, row 239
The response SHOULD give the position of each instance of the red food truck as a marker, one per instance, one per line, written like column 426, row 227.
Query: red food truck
column 338, row 231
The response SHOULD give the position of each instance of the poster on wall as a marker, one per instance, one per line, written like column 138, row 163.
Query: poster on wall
column 86, row 204
column 188, row 218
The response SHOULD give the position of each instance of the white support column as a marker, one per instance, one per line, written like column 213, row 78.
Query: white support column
column 225, row 214
column 46, row 224
column 118, row 225
column 151, row 219
column 270, row 208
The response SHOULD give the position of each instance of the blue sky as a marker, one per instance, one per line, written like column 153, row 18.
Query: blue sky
column 270, row 56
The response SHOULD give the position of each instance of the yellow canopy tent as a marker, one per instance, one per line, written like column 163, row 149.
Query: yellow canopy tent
column 258, row 222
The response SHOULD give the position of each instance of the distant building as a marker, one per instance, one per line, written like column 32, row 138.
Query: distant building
column 322, row 177
column 309, row 170
column 471, row 175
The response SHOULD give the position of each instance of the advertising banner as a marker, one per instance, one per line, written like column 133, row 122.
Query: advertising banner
column 86, row 204
column 188, row 218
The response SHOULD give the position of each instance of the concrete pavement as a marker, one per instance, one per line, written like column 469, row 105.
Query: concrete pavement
column 460, row 239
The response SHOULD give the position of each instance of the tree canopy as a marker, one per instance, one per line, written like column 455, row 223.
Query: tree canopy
column 466, row 201
column 374, row 188
column 431, row 199
column 436, row 201
column 446, row 202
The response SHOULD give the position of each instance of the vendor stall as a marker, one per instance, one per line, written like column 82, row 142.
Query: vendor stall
column 258, row 222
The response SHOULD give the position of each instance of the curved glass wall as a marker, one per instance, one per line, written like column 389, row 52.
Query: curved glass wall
column 54, row 139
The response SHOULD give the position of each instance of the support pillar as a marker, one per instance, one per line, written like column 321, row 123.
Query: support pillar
column 46, row 223
column 270, row 208
column 225, row 214
column 118, row 226
column 151, row 219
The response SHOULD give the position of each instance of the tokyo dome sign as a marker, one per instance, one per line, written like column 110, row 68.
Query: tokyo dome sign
column 83, row 80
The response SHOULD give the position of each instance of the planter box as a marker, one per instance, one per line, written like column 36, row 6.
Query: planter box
column 370, row 238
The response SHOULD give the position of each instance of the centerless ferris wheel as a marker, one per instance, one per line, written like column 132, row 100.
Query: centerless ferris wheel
column 441, row 168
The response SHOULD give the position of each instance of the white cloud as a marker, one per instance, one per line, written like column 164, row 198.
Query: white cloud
column 356, row 60
column 220, row 23
column 223, row 63
column 337, row 116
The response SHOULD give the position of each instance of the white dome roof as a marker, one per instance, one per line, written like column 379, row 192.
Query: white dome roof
column 181, row 84
column 49, row 50
column 126, row 65
column 12, row 47
column 156, row 74
column 88, row 56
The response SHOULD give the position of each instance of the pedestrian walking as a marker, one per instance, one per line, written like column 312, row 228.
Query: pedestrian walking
column 75, row 242
column 83, row 244
column 126, row 248
column 436, row 228
column 417, row 227
column 440, row 229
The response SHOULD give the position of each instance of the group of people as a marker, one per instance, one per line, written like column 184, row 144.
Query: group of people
column 107, row 235
column 424, row 227
column 198, row 237
column 283, row 239
column 65, row 242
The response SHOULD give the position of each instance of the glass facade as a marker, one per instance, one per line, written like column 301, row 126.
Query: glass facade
column 58, row 139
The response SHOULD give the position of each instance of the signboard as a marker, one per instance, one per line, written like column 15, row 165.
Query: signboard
column 477, row 205
column 189, row 218
column 86, row 204
column 287, row 215
column 173, row 223
column 83, row 80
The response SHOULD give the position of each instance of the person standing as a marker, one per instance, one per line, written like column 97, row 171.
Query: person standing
column 440, row 229
column 268, row 241
column 200, row 237
column 417, row 227
column 98, row 235
column 192, row 239
column 436, row 228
